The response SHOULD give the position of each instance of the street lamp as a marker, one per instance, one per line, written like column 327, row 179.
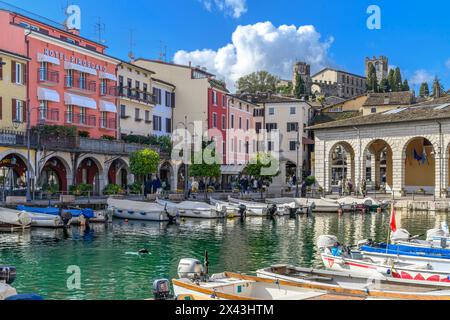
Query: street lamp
column 186, row 166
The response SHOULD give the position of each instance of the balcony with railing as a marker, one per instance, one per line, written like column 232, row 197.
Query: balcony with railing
column 108, row 91
column 81, row 119
column 47, row 76
column 48, row 115
column 108, row 123
column 136, row 95
column 80, row 84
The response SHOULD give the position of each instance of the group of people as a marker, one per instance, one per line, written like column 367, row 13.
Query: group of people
column 345, row 187
column 155, row 186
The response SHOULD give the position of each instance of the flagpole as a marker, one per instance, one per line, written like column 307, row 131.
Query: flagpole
column 389, row 229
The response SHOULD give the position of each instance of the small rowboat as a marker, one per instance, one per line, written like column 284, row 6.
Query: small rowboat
column 383, row 287
column 254, row 209
column 320, row 205
column 13, row 220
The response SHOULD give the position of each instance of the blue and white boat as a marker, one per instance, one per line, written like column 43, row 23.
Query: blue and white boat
column 407, row 250
column 76, row 213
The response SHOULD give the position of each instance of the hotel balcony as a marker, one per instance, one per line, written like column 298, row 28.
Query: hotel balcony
column 136, row 95
column 80, row 85
column 108, row 123
column 108, row 91
column 81, row 120
column 48, row 116
column 48, row 77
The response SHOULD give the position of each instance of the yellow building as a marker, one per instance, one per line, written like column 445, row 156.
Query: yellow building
column 382, row 102
column 13, row 91
column 136, row 100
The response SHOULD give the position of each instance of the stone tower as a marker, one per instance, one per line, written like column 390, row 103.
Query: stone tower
column 381, row 65
column 304, row 71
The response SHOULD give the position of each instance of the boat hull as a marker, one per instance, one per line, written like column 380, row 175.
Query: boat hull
column 191, row 210
column 144, row 216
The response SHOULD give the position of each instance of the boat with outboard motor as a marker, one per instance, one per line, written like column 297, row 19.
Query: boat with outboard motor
column 351, row 204
column 436, row 238
column 415, row 269
column 254, row 209
column 13, row 220
column 137, row 210
column 7, row 277
column 191, row 209
column 194, row 281
column 289, row 206
column 320, row 205
column 381, row 287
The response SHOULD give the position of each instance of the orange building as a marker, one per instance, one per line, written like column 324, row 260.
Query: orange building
column 70, row 80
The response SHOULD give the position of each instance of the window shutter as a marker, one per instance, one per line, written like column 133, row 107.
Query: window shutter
column 1, row 108
column 173, row 99
column 14, row 106
column 24, row 111
column 24, row 73
column 1, row 69
column 13, row 71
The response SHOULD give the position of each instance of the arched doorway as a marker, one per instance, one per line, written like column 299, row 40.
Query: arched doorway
column 118, row 173
column 291, row 172
column 54, row 174
column 181, row 177
column 420, row 166
column 88, row 172
column 166, row 174
column 378, row 165
column 13, row 175
column 342, row 160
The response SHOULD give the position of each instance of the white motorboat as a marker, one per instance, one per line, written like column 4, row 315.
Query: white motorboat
column 230, row 209
column 417, row 270
column 286, row 206
column 14, row 218
column 253, row 209
column 191, row 209
column 47, row 221
column 137, row 210
column 351, row 203
column 320, row 205
column 383, row 287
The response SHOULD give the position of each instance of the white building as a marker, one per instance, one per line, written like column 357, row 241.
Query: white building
column 164, row 93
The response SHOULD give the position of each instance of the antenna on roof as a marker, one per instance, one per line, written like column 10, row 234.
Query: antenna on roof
column 162, row 52
column 132, row 44
column 100, row 28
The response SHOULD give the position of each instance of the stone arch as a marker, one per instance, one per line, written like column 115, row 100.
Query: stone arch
column 341, row 159
column 13, row 171
column 62, row 170
column 381, row 163
column 90, row 171
column 166, row 172
column 118, row 172
column 420, row 164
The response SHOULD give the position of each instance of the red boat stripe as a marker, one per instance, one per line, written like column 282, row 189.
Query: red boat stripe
column 359, row 265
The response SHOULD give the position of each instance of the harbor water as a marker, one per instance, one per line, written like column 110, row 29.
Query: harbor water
column 111, row 269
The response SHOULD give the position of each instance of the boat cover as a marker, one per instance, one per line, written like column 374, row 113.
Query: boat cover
column 87, row 213
column 408, row 251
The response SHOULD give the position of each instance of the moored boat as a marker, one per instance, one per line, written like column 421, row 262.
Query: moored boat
column 320, row 205
column 289, row 206
column 382, row 287
column 136, row 210
column 430, row 271
column 7, row 277
column 13, row 220
column 191, row 209
column 254, row 209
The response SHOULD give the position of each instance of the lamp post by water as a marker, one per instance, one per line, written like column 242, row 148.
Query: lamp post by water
column 186, row 166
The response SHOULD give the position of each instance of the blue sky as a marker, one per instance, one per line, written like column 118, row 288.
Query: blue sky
column 414, row 34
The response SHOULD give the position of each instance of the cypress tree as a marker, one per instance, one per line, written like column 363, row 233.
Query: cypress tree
column 406, row 85
column 424, row 90
column 398, row 80
column 372, row 82
column 384, row 86
column 300, row 88
column 391, row 80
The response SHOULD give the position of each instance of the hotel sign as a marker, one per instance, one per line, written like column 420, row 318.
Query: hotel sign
column 72, row 59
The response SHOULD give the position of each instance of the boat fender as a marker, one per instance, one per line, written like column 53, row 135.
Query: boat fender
column 388, row 271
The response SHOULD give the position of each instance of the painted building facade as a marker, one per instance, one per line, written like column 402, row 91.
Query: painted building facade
column 135, row 100
column 165, row 97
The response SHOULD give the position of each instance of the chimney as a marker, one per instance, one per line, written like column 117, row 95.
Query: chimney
column 74, row 32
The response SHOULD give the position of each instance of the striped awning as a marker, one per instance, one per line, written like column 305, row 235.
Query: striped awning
column 106, row 106
column 79, row 101
column 108, row 76
column 45, row 94
column 77, row 67
column 45, row 58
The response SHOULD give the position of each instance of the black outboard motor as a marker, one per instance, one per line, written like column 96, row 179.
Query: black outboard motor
column 243, row 211
column 272, row 210
column 7, row 274
column 293, row 213
column 66, row 217
column 161, row 289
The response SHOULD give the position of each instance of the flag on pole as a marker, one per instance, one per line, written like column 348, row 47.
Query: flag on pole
column 393, row 222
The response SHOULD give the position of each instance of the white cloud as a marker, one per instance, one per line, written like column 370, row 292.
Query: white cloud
column 421, row 76
column 262, row 46
column 236, row 8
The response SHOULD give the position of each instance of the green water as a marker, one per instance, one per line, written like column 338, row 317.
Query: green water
column 108, row 272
